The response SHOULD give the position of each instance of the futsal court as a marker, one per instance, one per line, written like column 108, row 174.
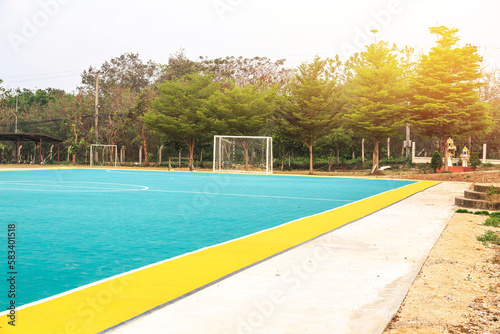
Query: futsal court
column 96, row 248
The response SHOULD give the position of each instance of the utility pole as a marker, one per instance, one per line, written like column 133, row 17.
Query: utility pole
column 96, row 127
column 17, row 93
column 96, row 121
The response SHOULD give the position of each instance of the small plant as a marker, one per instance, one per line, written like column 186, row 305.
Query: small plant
column 482, row 213
column 463, row 211
column 495, row 214
column 493, row 221
column 489, row 237
column 436, row 161
column 469, row 275
column 474, row 160
column 492, row 190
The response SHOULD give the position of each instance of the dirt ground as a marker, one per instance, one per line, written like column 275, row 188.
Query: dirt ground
column 474, row 177
column 458, row 288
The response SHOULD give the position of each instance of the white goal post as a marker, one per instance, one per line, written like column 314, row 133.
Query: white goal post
column 240, row 154
column 103, row 155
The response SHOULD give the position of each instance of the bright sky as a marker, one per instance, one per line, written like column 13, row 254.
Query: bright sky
column 48, row 43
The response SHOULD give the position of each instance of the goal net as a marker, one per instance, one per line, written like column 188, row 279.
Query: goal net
column 103, row 155
column 239, row 154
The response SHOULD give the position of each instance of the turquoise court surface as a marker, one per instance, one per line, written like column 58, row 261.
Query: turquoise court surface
column 78, row 226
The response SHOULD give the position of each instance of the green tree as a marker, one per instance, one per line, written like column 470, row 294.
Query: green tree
column 445, row 91
column 181, row 112
column 313, row 100
column 243, row 111
column 142, row 105
column 331, row 144
column 178, row 66
column 436, row 161
column 377, row 94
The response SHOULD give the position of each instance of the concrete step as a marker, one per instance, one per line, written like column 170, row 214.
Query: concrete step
column 486, row 187
column 471, row 194
column 477, row 204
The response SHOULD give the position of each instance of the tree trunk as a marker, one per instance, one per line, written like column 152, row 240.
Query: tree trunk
column 74, row 159
column 191, row 155
column 443, row 143
column 338, row 156
column 311, row 170
column 145, row 145
column 245, row 150
column 375, row 165
column 363, row 151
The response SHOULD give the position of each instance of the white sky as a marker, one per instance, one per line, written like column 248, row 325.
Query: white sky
column 48, row 43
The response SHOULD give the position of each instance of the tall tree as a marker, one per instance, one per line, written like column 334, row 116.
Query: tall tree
column 312, row 103
column 181, row 112
column 260, row 71
column 127, row 70
column 377, row 95
column 445, row 91
column 121, row 80
column 178, row 66
column 134, row 118
column 243, row 111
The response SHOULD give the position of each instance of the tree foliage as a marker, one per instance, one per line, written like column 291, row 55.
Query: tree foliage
column 260, row 71
column 445, row 90
column 377, row 94
column 181, row 112
column 312, row 103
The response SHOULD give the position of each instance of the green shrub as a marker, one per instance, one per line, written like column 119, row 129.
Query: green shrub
column 492, row 190
column 489, row 237
column 436, row 161
column 474, row 160
column 493, row 221
column 495, row 214
column 482, row 213
column 463, row 211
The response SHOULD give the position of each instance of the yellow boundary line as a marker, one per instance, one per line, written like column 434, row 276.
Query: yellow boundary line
column 103, row 305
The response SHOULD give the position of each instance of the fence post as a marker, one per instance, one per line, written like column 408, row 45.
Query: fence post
column 122, row 154
column 413, row 152
column 388, row 149
column 363, row 151
column 484, row 153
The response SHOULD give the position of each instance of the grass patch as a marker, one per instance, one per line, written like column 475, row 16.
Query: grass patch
column 493, row 221
column 485, row 213
column 489, row 237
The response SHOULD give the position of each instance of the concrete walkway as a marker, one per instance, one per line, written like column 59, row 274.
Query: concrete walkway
column 352, row 280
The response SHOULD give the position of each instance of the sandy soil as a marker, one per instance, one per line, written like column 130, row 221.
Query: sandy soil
column 475, row 177
column 458, row 288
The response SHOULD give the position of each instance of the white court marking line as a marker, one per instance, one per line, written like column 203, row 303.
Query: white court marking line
column 246, row 195
column 79, row 186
